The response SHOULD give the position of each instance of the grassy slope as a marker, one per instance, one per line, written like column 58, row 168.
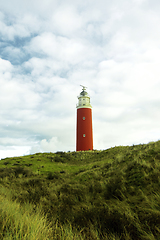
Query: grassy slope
column 111, row 194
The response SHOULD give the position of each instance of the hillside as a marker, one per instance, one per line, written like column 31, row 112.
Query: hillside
column 110, row 194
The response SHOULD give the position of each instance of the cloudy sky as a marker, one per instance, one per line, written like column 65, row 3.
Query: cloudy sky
column 49, row 48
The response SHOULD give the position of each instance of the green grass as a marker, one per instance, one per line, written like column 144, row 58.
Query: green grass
column 110, row 194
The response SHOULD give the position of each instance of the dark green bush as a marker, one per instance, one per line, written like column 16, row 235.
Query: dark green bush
column 53, row 175
column 59, row 159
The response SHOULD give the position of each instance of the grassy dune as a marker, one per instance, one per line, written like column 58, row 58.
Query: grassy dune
column 110, row 194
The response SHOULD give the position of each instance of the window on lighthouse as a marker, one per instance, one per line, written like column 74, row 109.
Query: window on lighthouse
column 84, row 135
column 84, row 118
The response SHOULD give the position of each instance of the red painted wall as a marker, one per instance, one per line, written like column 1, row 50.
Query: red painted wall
column 84, row 127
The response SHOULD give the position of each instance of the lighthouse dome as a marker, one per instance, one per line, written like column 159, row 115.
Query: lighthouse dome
column 83, row 93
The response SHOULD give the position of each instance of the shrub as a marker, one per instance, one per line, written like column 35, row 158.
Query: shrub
column 53, row 175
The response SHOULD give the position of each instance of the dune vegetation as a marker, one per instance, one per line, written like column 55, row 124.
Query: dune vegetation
column 110, row 194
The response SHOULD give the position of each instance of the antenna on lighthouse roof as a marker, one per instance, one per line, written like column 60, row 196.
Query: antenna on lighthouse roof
column 84, row 88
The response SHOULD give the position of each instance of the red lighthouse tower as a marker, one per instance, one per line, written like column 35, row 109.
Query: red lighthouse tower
column 84, row 122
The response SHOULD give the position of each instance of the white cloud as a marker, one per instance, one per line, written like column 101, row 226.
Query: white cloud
column 67, row 51
column 28, row 6
column 9, row 32
column 47, row 50
column 14, row 151
column 18, row 95
column 5, row 66
column 51, row 145
column 67, row 20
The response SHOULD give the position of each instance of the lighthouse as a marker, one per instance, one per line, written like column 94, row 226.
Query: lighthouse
column 84, row 138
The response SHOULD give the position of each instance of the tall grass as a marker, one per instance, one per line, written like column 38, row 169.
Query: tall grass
column 21, row 223
column 111, row 194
